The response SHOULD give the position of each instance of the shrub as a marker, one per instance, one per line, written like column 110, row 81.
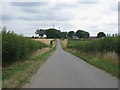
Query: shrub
column 16, row 47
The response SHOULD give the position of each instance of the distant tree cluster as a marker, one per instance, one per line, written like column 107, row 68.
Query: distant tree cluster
column 54, row 33
column 70, row 34
column 101, row 34
column 79, row 34
column 51, row 33
column 82, row 34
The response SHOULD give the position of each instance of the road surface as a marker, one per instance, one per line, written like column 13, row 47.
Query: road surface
column 64, row 70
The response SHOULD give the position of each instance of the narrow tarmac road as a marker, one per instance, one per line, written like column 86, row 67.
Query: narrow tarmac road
column 64, row 70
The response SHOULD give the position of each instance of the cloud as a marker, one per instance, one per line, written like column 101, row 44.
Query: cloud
column 87, row 2
column 41, row 12
column 90, row 15
column 30, row 11
column 0, row 15
column 46, row 17
column 7, row 17
column 27, row 4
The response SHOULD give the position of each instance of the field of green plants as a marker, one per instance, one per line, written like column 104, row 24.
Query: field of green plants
column 101, row 45
column 16, row 47
column 102, row 53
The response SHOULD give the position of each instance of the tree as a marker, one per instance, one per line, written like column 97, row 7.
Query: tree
column 82, row 34
column 79, row 33
column 40, row 32
column 86, row 35
column 101, row 34
column 53, row 33
column 63, row 34
column 70, row 33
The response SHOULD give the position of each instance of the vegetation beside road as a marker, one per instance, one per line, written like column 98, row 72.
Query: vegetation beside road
column 16, row 47
column 19, row 73
column 106, row 44
column 22, row 57
column 102, row 53
column 64, row 43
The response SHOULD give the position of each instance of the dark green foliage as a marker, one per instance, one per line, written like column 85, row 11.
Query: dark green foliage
column 16, row 47
column 82, row 34
column 40, row 32
column 101, row 34
column 70, row 33
column 63, row 34
column 53, row 33
column 101, row 45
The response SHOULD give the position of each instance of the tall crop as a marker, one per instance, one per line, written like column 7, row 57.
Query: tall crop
column 16, row 47
column 100, row 45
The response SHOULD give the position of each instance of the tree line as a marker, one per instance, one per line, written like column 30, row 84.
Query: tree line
column 54, row 33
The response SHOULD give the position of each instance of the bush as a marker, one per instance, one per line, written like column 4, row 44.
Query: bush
column 16, row 47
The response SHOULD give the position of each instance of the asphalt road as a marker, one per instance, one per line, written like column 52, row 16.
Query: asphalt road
column 64, row 70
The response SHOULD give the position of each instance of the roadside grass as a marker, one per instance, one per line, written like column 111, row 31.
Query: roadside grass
column 99, row 62
column 107, row 61
column 19, row 73
column 64, row 43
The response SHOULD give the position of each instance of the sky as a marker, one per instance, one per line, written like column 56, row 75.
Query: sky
column 93, row 16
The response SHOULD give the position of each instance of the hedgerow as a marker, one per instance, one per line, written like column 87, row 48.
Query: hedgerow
column 16, row 47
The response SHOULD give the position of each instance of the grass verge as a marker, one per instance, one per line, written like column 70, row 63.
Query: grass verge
column 15, row 76
column 63, row 43
column 97, row 60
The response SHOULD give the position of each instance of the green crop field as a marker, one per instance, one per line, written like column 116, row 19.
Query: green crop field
column 101, row 45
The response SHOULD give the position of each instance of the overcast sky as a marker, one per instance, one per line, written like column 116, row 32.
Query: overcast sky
column 90, row 15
